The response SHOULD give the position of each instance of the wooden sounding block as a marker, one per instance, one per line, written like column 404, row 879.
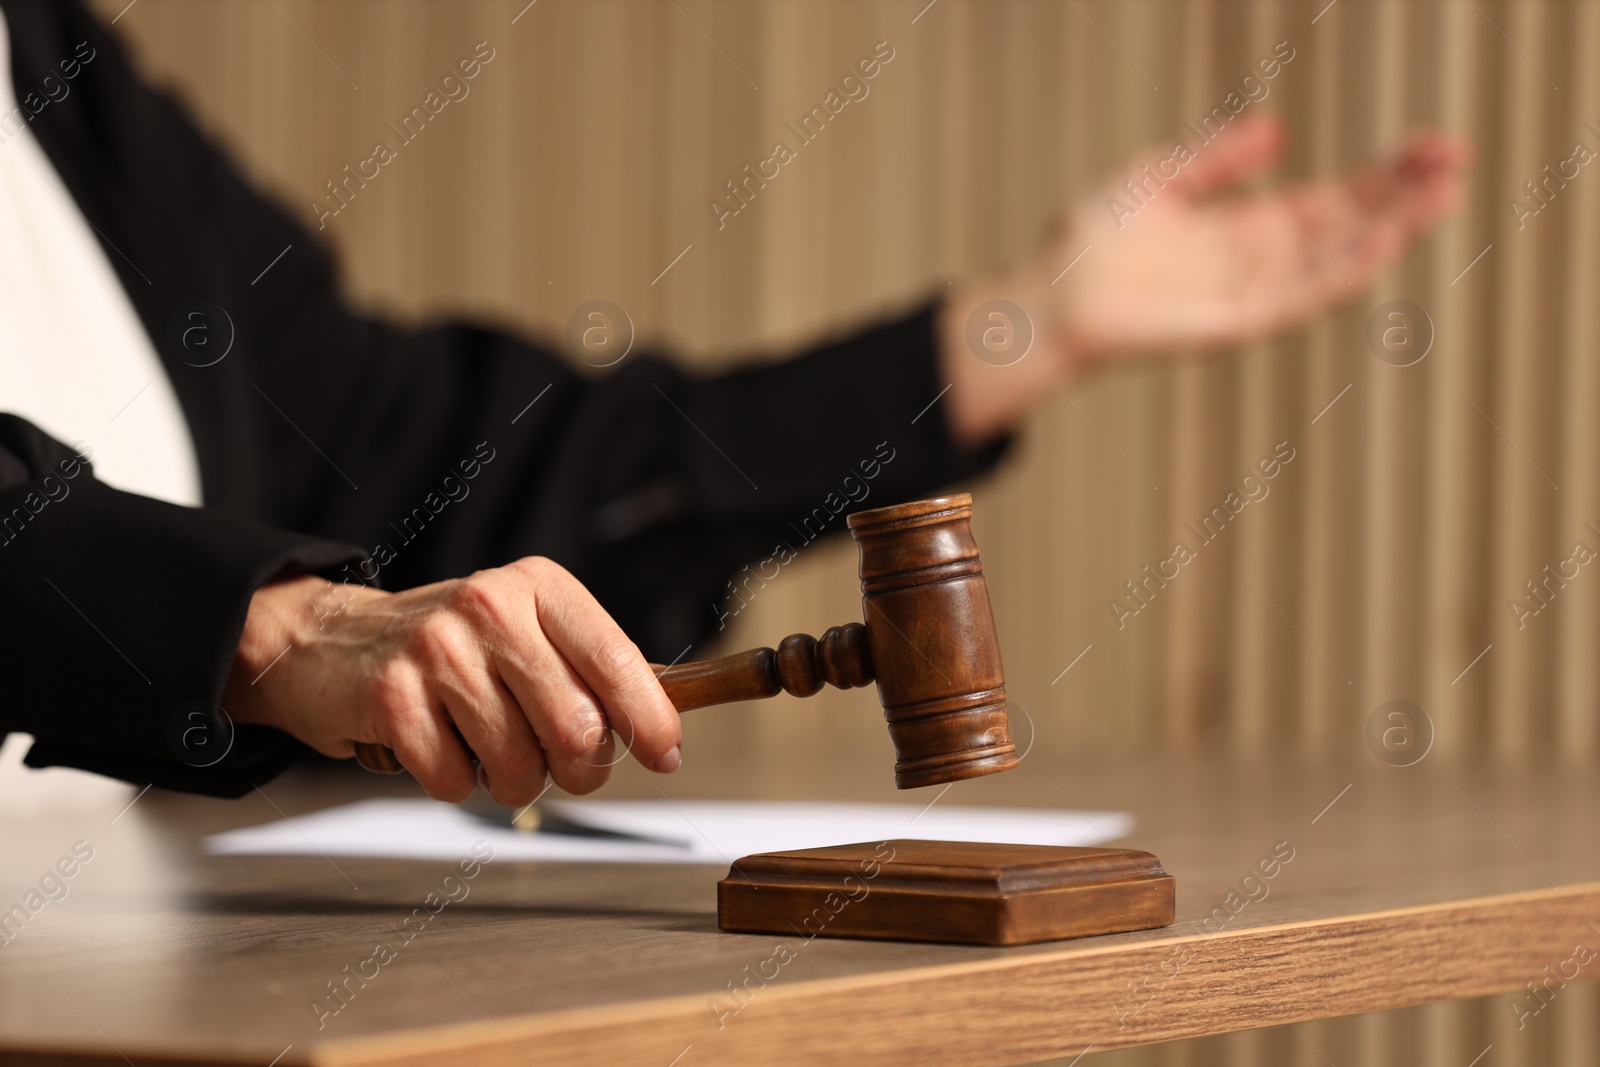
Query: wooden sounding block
column 953, row 892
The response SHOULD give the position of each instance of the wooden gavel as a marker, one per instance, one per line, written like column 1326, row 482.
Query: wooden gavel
column 929, row 640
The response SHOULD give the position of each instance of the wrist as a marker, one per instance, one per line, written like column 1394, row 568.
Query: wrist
column 991, row 391
column 282, row 614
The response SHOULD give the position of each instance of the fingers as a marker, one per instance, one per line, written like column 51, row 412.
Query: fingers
column 446, row 657
column 511, row 763
column 565, row 669
column 1248, row 146
column 1368, row 221
column 1251, row 265
column 425, row 742
column 565, row 715
column 1422, row 182
column 613, row 669
column 556, row 724
column 1429, row 148
column 519, row 666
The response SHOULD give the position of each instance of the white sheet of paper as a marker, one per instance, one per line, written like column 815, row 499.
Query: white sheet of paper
column 714, row 831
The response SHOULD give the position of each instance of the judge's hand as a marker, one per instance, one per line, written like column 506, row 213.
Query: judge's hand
column 521, row 661
column 1183, row 266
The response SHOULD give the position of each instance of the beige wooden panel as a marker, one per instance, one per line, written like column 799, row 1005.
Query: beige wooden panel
column 1577, row 683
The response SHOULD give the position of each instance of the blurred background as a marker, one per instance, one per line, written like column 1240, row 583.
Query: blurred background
column 1384, row 562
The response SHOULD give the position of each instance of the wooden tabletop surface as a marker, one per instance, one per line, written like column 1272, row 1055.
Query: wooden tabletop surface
column 1392, row 887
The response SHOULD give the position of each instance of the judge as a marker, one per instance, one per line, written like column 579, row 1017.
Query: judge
column 227, row 490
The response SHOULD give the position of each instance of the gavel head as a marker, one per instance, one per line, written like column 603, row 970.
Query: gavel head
column 932, row 636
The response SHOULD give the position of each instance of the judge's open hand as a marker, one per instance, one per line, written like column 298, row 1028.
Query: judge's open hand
column 520, row 663
column 1201, row 254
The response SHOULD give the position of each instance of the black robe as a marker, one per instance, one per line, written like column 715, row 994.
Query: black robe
column 334, row 443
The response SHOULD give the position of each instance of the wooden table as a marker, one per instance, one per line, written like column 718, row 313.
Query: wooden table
column 1405, row 886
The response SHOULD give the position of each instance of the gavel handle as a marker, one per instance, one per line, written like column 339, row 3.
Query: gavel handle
column 799, row 666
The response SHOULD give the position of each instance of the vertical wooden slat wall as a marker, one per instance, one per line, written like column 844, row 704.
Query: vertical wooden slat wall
column 1384, row 560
